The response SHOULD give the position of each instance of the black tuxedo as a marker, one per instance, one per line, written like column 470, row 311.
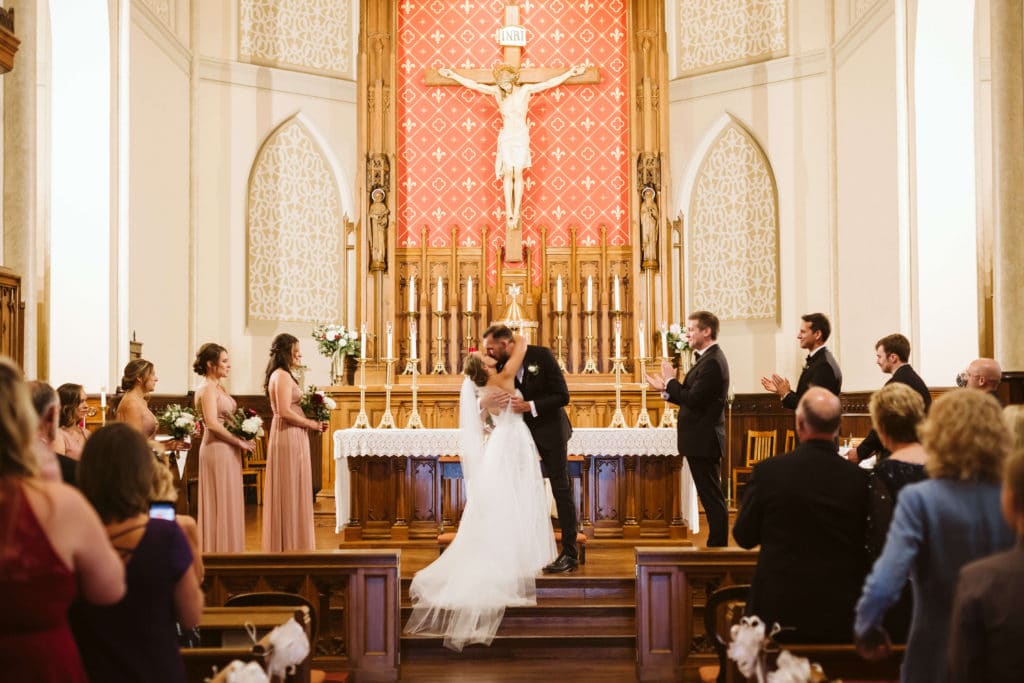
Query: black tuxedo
column 904, row 375
column 701, row 398
column 544, row 384
column 807, row 510
column 821, row 370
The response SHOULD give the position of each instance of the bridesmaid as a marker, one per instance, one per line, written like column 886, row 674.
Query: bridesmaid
column 138, row 381
column 221, row 506
column 288, row 492
column 73, row 411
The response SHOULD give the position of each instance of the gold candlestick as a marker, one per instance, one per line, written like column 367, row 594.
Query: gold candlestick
column 590, row 367
column 362, row 420
column 388, row 420
column 470, row 318
column 644, row 420
column 414, row 417
column 439, row 365
column 668, row 415
column 618, row 419
column 559, row 340
column 414, row 354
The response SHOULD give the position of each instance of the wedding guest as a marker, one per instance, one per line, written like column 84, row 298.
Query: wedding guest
column 135, row 639
column 164, row 491
column 1014, row 418
column 988, row 612
column 54, row 548
column 52, row 467
column 73, row 412
column 288, row 492
column 138, row 381
column 221, row 505
column 896, row 411
column 939, row 525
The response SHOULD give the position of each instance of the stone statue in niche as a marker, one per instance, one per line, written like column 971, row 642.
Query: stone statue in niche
column 649, row 222
column 378, row 216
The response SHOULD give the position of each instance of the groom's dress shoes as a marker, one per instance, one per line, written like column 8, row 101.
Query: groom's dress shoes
column 562, row 565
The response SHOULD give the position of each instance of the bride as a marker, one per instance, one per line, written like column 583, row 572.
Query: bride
column 504, row 536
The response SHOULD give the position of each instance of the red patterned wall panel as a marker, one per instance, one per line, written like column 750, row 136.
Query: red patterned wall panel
column 447, row 135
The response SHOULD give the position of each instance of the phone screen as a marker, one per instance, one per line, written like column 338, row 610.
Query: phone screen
column 161, row 510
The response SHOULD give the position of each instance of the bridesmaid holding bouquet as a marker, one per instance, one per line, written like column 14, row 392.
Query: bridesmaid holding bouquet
column 221, row 505
column 288, row 492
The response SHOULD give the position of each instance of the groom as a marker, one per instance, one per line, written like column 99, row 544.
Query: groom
column 544, row 391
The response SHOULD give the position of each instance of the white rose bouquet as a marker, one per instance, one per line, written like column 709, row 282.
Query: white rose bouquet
column 676, row 337
column 333, row 338
column 245, row 424
column 180, row 423
column 317, row 405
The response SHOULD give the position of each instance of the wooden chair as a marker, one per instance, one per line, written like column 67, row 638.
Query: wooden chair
column 790, row 443
column 724, row 609
column 255, row 467
column 760, row 446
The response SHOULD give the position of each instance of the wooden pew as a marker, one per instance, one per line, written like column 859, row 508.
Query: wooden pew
column 672, row 588
column 839, row 662
column 355, row 593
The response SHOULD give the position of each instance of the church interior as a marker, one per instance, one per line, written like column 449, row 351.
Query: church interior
column 178, row 172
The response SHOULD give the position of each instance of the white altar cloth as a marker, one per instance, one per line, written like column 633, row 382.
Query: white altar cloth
column 586, row 441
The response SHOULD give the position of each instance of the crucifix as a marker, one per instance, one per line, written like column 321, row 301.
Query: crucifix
column 512, row 87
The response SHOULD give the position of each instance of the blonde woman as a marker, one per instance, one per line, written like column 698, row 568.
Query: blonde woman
column 138, row 381
column 73, row 412
column 1014, row 417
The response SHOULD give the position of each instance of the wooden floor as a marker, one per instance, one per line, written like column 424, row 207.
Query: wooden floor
column 607, row 559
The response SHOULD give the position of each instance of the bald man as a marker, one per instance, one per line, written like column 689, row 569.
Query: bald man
column 807, row 511
column 984, row 374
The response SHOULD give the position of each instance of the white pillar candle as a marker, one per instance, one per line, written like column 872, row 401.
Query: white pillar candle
column 390, row 344
column 616, row 298
column 412, row 293
column 558, row 294
column 103, row 399
column 412, row 339
column 642, row 342
column 664, row 341
column 590, row 293
column 469, row 293
column 440, row 294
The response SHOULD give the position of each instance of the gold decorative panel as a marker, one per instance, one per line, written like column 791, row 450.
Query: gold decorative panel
column 717, row 34
column 307, row 35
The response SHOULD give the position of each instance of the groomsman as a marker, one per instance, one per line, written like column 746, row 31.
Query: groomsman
column 821, row 369
column 701, row 398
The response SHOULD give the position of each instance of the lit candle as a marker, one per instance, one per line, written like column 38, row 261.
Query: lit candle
column 412, row 294
column 558, row 294
column 103, row 398
column 469, row 293
column 440, row 294
column 642, row 343
column 590, row 293
column 390, row 343
column 664, row 341
column 362, row 341
column 615, row 295
column 412, row 339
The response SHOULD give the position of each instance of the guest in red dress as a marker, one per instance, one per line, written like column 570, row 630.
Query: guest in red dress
column 54, row 548
column 73, row 412
column 288, row 492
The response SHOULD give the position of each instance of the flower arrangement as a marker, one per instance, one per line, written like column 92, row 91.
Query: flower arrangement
column 316, row 405
column 677, row 341
column 336, row 339
column 245, row 424
column 180, row 423
column 749, row 648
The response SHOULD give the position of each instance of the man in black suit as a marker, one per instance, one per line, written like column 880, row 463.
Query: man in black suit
column 544, row 397
column 701, row 398
column 807, row 510
column 821, row 369
column 892, row 354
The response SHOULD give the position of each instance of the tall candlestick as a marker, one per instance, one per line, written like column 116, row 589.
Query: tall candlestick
column 362, row 341
column 390, row 344
column 469, row 293
column 558, row 294
column 643, row 342
column 412, row 339
column 590, row 293
column 412, row 293
column 616, row 298
column 618, row 341
column 440, row 295
column 664, row 341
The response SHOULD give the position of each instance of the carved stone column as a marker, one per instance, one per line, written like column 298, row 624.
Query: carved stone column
column 1008, row 178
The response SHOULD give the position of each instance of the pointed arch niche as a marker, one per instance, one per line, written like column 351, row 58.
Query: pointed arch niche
column 733, row 228
column 295, row 224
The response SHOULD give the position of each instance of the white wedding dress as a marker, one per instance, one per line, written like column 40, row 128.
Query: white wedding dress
column 504, row 537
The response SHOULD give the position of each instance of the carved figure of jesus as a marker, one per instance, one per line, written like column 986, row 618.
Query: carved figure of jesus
column 514, row 139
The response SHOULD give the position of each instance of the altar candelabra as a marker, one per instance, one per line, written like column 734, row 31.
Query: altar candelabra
column 439, row 365
column 470, row 318
column 388, row 420
column 362, row 420
column 590, row 366
column 410, row 367
column 415, row 422
column 668, row 416
column 644, row 420
column 559, row 340
column 618, row 419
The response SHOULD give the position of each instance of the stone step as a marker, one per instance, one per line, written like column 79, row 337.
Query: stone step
column 540, row 645
column 568, row 589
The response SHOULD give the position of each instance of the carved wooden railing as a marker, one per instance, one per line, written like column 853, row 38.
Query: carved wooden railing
column 12, row 314
column 672, row 588
column 356, row 594
column 8, row 41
